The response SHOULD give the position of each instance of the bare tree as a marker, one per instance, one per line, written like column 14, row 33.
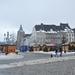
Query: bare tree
column 12, row 38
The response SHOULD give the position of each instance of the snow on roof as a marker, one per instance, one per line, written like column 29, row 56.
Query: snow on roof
column 50, row 44
column 66, row 43
column 51, row 31
column 68, row 30
column 35, row 45
column 41, row 31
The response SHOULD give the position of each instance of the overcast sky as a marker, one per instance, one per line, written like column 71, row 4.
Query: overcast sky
column 32, row 12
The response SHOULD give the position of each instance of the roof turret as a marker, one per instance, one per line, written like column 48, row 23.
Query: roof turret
column 21, row 28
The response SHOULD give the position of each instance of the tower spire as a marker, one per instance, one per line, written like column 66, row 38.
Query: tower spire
column 21, row 27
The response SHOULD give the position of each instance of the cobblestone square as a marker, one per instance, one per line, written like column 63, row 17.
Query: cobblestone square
column 55, row 68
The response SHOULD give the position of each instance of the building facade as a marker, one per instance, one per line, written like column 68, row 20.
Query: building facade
column 44, row 34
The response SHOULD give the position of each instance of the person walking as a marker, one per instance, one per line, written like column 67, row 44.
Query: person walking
column 56, row 51
column 61, row 51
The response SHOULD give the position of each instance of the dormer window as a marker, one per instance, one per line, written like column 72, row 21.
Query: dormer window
column 66, row 27
column 51, row 30
column 40, row 30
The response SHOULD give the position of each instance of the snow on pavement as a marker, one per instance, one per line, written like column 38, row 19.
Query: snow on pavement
column 38, row 61
column 32, row 62
column 53, row 52
column 10, row 56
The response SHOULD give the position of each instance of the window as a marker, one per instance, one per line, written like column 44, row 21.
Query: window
column 67, row 39
column 67, row 35
column 72, row 35
column 72, row 39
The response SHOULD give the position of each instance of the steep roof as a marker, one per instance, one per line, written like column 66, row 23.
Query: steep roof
column 27, row 35
column 53, row 27
column 74, row 30
column 64, row 25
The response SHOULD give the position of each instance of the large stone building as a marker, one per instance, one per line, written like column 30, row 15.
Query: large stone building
column 43, row 34
column 74, row 33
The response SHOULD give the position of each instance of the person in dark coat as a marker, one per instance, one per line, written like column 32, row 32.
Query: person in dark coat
column 56, row 51
column 61, row 51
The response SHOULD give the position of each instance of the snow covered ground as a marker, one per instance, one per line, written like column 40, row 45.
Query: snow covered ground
column 10, row 56
column 17, row 56
column 32, row 62
column 53, row 52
